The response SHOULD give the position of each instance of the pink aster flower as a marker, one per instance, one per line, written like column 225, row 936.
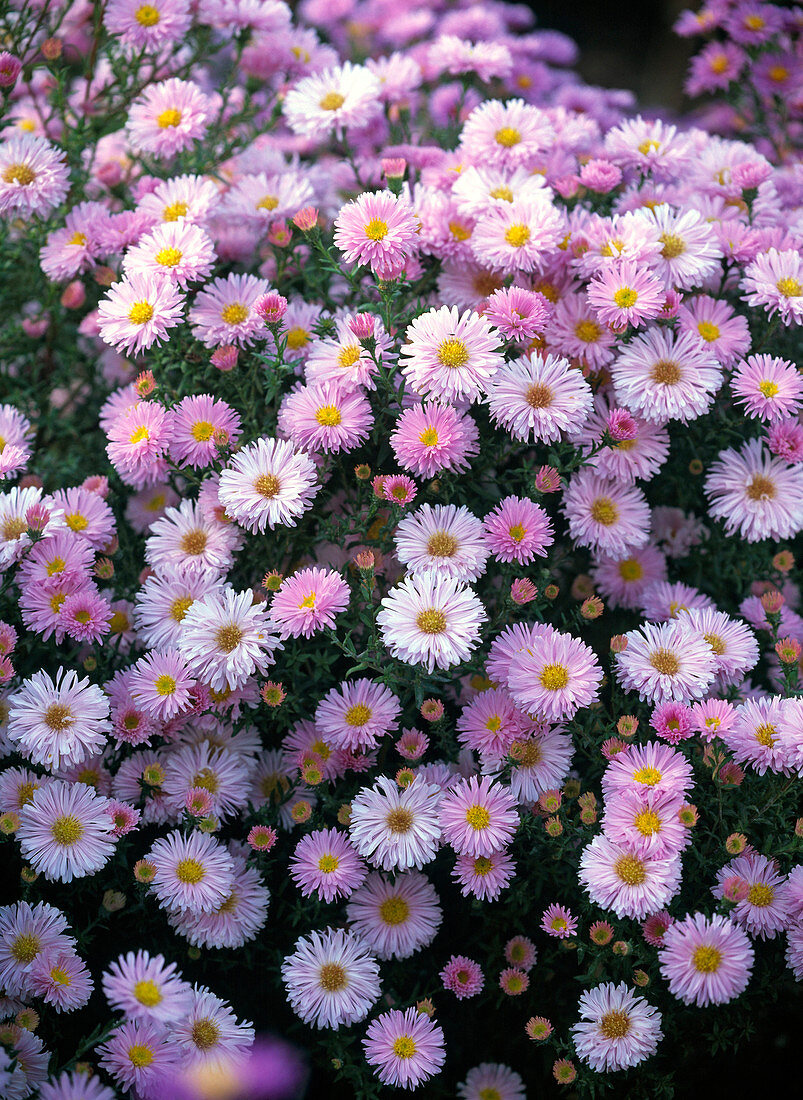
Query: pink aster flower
column 199, row 422
column 144, row 986
column 785, row 439
column 87, row 515
column 224, row 311
column 706, row 960
column 646, row 822
column 443, row 538
column 663, row 377
column 161, row 683
column 555, row 678
column 377, row 229
column 406, row 1048
column 626, row 293
column 332, row 978
column 266, row 483
column 85, row 615
column 326, row 863
column 61, row 979
column 631, row 885
column 617, row 1029
column 521, row 952
column 34, row 177
column 483, row 877
column 491, row 722
column 462, row 976
column 509, row 135
column 309, row 601
column 764, row 910
column 178, row 251
column 654, row 927
column 57, row 722
column 672, row 722
column 448, row 355
column 666, row 661
column 607, row 516
column 431, row 437
column 393, row 828
column 651, row 767
column 399, row 489
column 718, row 325
column 140, row 1054
column 168, row 117
column 338, row 98
column 325, row 418
column 622, row 581
column 758, row 495
column 541, row 398
column 64, row 831
column 357, row 714
column 431, row 619
column 517, row 236
column 774, row 280
column 478, row 817
column 193, row 872
column 147, row 26
column 769, row 388
column 138, row 311
column 558, row 922
column 518, row 314
column 395, row 917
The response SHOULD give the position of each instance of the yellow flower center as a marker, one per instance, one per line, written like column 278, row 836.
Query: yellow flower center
column 194, row 542
column 503, row 193
column 328, row 416
column 442, row 545
column 190, row 871
column 587, row 331
column 478, row 817
column 332, row 101
column 630, row 870
column 666, row 372
column 333, row 977
column 604, row 511
column 140, row 1056
column 202, row 431
column 707, row 331
column 58, row 717
column 647, row 822
column 674, row 245
column 625, row 297
column 358, row 715
column 328, row 864
column 169, row 118
column 429, row 437
column 66, row 830
column 508, row 137
column 432, row 621
column 716, row 643
column 267, row 485
column 760, row 488
column 228, row 637
column 268, row 202
column 760, row 895
column 179, row 608
column 76, row 522
column 459, row 231
column 207, row 780
column 147, row 993
column 483, row 866
column 766, row 735
column 630, row 570
column 147, row 16
column 404, row 1047
column 789, row 288
column 768, row 389
column 615, row 1024
column 234, row 313
column 376, row 229
column 539, row 396
column 706, row 959
column 205, row 1033
column 19, row 173
column 140, row 313
column 174, row 211
column 164, row 685
column 77, row 239
column 664, row 662
column 394, row 911
column 168, row 257
column 778, row 74
column 453, row 354
column 554, row 677
column 297, row 338
column 25, row 947
column 347, row 357
column 517, row 236
column 399, row 820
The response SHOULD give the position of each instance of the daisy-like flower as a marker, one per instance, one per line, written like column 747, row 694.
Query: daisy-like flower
column 265, row 197
column 395, row 829
column 479, row 188
column 490, row 723
column 559, row 922
column 193, row 872
column 219, row 772
column 478, row 817
column 491, row 1081
column 734, row 644
column 431, row 619
column 666, row 377
column 326, row 863
column 161, row 683
column 644, row 768
column 198, row 422
column 513, row 134
column 147, row 26
column 338, row 98
column 378, row 229
column 517, row 236
column 517, row 313
column 238, row 919
column 139, row 437
column 520, row 951
column 617, row 1029
column 462, row 976
column 224, row 312
column 539, row 398
column 623, row 581
column 626, row 293
column 58, row 722
column 345, row 358
column 192, row 198
column 326, row 418
column 651, row 146
column 25, row 932
column 774, row 280
column 86, row 514
column 61, row 979
column 162, row 603
column 448, row 355
column 647, row 822
column 226, row 638
column 631, row 885
column 690, row 253
column 15, row 431
column 542, row 763
column 395, row 917
column 140, row 1055
column 75, row 1086
column 666, row 661
column 706, row 960
column 518, row 530
column 178, row 251
column 444, row 538
column 308, row 601
column 332, row 978
column 607, row 516
column 209, row 1039
column 555, row 677
column 357, row 714
column 168, row 117
column 765, row 909
column 183, row 542
column 65, row 832
column 483, row 877
column 431, row 437
column 266, row 483
column 769, row 388
column 724, row 331
column 138, row 312
column 756, row 494
column 34, row 177
column 406, row 1048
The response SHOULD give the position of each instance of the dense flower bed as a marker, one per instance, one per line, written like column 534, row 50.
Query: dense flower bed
column 400, row 648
